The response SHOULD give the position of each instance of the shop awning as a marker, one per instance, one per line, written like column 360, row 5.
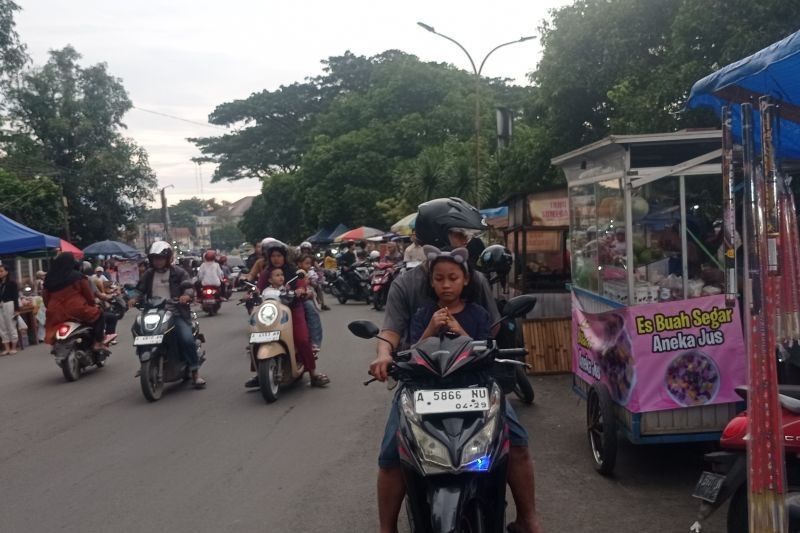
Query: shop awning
column 773, row 71
column 16, row 238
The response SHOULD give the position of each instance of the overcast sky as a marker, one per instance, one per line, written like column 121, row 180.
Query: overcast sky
column 184, row 57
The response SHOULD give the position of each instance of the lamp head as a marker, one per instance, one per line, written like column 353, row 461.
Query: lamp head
column 425, row 26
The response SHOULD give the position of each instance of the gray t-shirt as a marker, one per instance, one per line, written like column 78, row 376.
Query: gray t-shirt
column 161, row 284
column 410, row 291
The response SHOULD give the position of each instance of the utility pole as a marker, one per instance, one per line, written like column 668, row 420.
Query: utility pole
column 165, row 213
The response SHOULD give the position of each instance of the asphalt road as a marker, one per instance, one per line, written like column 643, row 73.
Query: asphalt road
column 94, row 456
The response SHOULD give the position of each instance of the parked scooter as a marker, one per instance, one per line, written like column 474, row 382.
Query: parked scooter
column 495, row 262
column 160, row 358
column 727, row 478
column 73, row 349
column 380, row 282
column 210, row 299
column 453, row 440
column 271, row 347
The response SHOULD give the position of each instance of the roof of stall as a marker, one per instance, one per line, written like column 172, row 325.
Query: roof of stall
column 773, row 71
column 644, row 158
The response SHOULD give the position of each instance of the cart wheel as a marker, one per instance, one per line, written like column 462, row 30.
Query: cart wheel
column 602, row 429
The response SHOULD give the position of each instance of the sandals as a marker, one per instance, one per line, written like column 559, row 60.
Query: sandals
column 320, row 380
column 199, row 383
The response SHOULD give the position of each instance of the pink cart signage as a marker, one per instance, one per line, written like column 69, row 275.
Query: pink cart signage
column 662, row 356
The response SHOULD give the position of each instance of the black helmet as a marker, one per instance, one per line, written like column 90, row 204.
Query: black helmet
column 436, row 217
column 495, row 259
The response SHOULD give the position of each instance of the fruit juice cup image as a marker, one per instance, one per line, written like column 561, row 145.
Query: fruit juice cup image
column 692, row 378
column 617, row 365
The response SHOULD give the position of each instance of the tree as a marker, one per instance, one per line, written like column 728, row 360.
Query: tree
column 73, row 115
column 226, row 237
column 28, row 201
column 12, row 52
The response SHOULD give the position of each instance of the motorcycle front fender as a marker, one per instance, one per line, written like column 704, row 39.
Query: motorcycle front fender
column 447, row 503
column 269, row 350
column 145, row 355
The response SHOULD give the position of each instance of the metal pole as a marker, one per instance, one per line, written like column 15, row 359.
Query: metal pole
column 729, row 207
column 684, row 238
column 65, row 204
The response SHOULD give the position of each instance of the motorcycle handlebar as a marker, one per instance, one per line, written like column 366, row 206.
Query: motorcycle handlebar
column 512, row 352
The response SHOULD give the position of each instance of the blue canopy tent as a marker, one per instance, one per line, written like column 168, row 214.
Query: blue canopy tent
column 16, row 238
column 338, row 230
column 320, row 237
column 773, row 71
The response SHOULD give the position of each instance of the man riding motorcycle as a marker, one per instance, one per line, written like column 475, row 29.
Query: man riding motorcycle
column 407, row 294
column 163, row 279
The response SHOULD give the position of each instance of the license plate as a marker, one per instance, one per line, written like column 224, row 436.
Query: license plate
column 708, row 486
column 428, row 402
column 264, row 336
column 146, row 340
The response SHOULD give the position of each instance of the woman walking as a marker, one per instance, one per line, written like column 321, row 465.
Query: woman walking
column 9, row 300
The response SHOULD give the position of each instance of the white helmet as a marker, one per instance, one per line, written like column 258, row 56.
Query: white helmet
column 269, row 244
column 305, row 244
column 161, row 248
column 374, row 255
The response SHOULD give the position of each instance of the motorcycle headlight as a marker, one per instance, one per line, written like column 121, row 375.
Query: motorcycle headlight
column 151, row 321
column 476, row 455
column 267, row 314
column 432, row 450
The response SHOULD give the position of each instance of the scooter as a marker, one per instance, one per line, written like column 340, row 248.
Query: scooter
column 355, row 286
column 271, row 346
column 73, row 349
column 156, row 345
column 510, row 336
column 380, row 282
column 727, row 477
column 453, row 441
column 210, row 299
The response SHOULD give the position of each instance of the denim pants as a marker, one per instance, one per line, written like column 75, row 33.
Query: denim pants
column 186, row 344
column 314, row 323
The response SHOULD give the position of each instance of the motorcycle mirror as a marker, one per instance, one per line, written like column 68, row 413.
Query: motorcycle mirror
column 519, row 306
column 364, row 329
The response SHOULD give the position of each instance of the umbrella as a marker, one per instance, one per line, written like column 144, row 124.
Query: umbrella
column 364, row 232
column 109, row 248
column 67, row 246
column 405, row 225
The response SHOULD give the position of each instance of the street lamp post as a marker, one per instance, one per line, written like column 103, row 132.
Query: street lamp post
column 477, row 71
column 165, row 212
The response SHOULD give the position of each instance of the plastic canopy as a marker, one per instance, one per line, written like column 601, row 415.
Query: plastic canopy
column 15, row 238
column 773, row 71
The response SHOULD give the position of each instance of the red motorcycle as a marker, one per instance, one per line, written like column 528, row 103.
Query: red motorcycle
column 380, row 281
column 210, row 299
column 728, row 476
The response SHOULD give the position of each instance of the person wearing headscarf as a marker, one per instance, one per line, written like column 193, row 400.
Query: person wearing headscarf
column 9, row 310
column 68, row 296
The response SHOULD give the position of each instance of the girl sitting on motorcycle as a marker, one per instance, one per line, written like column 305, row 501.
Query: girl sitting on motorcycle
column 68, row 296
column 275, row 256
column 306, row 263
column 453, row 312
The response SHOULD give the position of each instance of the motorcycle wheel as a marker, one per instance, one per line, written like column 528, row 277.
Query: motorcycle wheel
column 522, row 386
column 268, row 379
column 379, row 302
column 738, row 513
column 602, row 429
column 71, row 367
column 150, row 379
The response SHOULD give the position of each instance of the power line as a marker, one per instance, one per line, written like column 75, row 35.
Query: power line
column 173, row 117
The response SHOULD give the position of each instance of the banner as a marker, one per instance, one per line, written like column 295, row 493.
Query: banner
column 549, row 209
column 662, row 356
column 127, row 273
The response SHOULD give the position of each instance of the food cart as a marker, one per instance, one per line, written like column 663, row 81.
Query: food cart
column 657, row 345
